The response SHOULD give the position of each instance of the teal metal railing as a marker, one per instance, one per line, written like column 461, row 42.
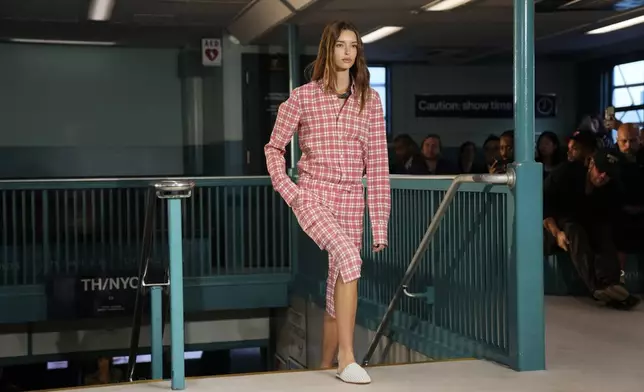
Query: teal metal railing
column 465, row 273
column 231, row 226
column 234, row 226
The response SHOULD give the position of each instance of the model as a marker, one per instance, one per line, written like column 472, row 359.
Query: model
column 341, row 129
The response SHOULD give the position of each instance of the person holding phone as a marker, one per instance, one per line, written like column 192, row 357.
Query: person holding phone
column 506, row 153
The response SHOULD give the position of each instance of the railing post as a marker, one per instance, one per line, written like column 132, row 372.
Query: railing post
column 527, row 339
column 174, row 191
column 293, row 82
column 156, row 326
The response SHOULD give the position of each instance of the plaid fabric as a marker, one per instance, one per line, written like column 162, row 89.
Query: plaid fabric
column 339, row 146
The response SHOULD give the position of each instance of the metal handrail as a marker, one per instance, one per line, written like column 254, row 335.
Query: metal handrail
column 146, row 250
column 492, row 179
column 124, row 179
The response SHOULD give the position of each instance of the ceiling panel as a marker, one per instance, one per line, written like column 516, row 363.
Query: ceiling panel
column 473, row 31
column 64, row 10
column 179, row 12
column 361, row 5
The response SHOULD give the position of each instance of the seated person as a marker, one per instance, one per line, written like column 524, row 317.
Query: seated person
column 491, row 149
column 435, row 164
column 467, row 163
column 506, row 153
column 581, row 146
column 629, row 229
column 580, row 202
column 407, row 158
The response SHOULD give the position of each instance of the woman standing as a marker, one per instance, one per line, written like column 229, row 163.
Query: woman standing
column 341, row 128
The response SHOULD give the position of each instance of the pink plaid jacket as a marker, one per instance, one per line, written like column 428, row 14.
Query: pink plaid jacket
column 338, row 144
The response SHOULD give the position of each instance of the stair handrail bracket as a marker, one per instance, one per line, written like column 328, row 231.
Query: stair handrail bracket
column 507, row 178
column 174, row 189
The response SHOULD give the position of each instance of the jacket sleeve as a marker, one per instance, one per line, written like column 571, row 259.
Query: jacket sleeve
column 286, row 124
column 377, row 165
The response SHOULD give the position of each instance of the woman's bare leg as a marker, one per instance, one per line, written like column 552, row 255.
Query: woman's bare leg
column 346, row 304
column 329, row 341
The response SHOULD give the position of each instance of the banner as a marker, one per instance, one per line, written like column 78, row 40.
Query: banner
column 479, row 106
column 96, row 295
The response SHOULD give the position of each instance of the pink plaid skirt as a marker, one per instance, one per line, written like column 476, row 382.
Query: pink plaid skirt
column 333, row 217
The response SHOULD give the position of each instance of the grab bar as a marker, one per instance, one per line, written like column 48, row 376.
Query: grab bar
column 492, row 179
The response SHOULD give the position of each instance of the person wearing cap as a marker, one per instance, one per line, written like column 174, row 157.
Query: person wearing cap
column 580, row 201
column 581, row 146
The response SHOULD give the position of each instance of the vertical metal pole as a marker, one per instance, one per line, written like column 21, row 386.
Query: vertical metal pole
column 176, row 294
column 193, row 122
column 156, row 326
column 526, row 285
column 294, row 82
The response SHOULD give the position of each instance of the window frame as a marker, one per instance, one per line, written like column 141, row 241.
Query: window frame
column 613, row 87
column 387, row 93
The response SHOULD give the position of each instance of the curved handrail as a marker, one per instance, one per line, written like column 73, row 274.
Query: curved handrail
column 495, row 179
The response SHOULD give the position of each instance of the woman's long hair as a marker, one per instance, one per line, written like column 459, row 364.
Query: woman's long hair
column 324, row 66
column 557, row 154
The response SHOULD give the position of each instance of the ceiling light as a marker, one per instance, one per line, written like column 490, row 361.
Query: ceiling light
column 380, row 34
column 444, row 5
column 61, row 42
column 618, row 26
column 233, row 39
column 100, row 10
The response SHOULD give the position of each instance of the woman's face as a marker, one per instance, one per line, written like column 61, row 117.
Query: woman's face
column 431, row 148
column 345, row 50
column 469, row 153
column 546, row 147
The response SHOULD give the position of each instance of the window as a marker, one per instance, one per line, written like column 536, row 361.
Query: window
column 628, row 92
column 379, row 83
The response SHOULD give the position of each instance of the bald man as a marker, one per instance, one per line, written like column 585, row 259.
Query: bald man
column 628, row 141
column 629, row 228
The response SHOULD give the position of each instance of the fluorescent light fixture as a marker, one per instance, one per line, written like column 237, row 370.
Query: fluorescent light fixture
column 233, row 39
column 618, row 26
column 61, row 42
column 380, row 34
column 444, row 5
column 57, row 365
column 100, row 10
column 192, row 355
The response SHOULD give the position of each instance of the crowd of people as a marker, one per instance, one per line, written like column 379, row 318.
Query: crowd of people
column 593, row 193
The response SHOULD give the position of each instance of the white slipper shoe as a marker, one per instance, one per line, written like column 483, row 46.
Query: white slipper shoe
column 354, row 374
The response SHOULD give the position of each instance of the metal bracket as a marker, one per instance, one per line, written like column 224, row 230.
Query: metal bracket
column 428, row 295
column 172, row 189
column 145, row 274
column 512, row 176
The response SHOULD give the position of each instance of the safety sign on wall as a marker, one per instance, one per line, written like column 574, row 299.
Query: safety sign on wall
column 211, row 52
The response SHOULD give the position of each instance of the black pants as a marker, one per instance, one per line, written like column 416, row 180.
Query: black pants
column 592, row 250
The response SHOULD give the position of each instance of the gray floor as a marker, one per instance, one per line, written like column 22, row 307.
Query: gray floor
column 589, row 349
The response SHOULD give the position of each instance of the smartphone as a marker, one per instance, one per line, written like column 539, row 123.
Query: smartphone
column 609, row 113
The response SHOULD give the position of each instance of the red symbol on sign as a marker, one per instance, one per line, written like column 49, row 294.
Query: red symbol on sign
column 212, row 54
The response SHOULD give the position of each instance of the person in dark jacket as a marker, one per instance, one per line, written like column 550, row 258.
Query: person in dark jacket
column 580, row 203
column 407, row 157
